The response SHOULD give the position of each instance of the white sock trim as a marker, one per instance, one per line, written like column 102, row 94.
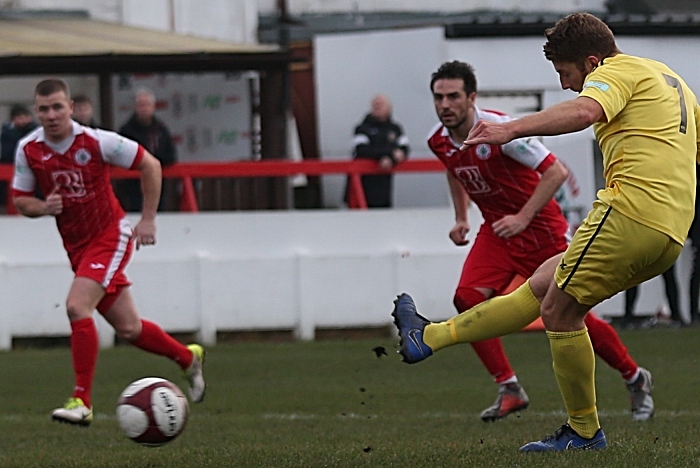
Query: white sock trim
column 513, row 379
column 634, row 378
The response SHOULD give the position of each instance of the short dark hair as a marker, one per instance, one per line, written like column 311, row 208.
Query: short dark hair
column 82, row 98
column 19, row 109
column 51, row 85
column 577, row 36
column 456, row 70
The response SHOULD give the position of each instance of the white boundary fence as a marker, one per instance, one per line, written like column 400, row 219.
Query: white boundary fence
column 290, row 270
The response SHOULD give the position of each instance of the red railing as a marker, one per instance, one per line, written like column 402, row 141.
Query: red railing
column 186, row 172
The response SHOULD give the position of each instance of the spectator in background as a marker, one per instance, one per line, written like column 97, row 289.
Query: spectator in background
column 671, row 287
column 83, row 112
column 21, row 124
column 380, row 138
column 149, row 131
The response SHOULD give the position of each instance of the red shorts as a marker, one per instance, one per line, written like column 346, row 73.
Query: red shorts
column 104, row 260
column 492, row 264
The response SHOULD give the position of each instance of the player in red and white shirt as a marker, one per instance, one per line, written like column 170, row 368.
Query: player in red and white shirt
column 70, row 164
column 513, row 185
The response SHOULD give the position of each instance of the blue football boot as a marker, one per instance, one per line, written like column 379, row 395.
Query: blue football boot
column 566, row 439
column 411, row 325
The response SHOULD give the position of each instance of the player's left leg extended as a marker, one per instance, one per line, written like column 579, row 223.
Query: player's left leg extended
column 495, row 317
column 498, row 316
column 119, row 310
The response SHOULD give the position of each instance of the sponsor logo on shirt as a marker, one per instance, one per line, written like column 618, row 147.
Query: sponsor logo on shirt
column 82, row 156
column 70, row 183
column 483, row 152
column 596, row 84
column 97, row 266
column 471, row 178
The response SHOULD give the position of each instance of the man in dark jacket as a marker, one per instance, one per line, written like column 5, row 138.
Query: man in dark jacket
column 20, row 125
column 380, row 138
column 145, row 128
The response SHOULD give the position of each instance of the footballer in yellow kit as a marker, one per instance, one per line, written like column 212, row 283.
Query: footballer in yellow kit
column 646, row 121
column 648, row 143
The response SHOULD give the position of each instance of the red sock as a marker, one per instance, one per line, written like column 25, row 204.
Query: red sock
column 494, row 357
column 84, row 347
column 155, row 340
column 607, row 344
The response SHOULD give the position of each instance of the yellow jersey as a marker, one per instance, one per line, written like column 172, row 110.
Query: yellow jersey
column 649, row 141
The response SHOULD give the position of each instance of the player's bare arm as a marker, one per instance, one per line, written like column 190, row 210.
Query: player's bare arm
column 565, row 117
column 33, row 207
column 460, row 201
column 551, row 180
column 151, row 182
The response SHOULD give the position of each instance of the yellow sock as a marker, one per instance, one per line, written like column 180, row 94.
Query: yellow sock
column 496, row 317
column 574, row 367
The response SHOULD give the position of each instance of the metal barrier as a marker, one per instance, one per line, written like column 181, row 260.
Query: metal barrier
column 186, row 172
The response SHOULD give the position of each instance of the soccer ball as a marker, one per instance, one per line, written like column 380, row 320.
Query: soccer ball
column 152, row 411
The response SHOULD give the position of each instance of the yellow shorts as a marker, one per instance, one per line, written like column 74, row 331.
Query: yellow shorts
column 610, row 253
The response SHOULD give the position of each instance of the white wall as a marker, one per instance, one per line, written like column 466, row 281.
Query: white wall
column 293, row 270
column 246, row 271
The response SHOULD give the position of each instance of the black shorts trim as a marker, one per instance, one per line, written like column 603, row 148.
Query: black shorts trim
column 585, row 249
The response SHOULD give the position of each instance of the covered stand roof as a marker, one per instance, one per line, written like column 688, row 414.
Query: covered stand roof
column 81, row 45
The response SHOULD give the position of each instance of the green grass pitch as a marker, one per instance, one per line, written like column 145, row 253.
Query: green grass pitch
column 335, row 403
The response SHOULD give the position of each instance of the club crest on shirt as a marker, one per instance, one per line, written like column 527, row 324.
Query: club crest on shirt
column 483, row 152
column 82, row 156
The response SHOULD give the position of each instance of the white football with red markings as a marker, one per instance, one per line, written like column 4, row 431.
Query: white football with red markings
column 152, row 411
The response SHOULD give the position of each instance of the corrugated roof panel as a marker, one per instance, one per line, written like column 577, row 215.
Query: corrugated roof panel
column 71, row 37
